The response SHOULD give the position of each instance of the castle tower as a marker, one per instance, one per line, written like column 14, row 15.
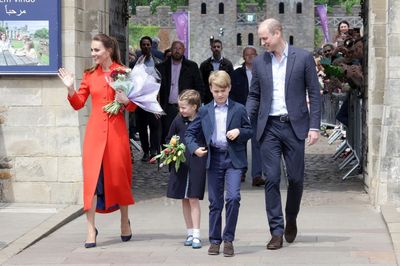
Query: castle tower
column 297, row 18
column 212, row 18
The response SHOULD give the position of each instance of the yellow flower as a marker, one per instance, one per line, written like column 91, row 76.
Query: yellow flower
column 173, row 141
column 174, row 158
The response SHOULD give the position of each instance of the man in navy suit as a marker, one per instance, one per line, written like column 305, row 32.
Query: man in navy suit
column 226, row 129
column 241, row 80
column 283, row 77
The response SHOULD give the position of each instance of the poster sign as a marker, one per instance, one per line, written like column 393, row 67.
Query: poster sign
column 181, row 20
column 30, row 37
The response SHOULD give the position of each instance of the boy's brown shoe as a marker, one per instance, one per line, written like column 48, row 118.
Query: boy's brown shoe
column 258, row 181
column 275, row 243
column 228, row 249
column 213, row 249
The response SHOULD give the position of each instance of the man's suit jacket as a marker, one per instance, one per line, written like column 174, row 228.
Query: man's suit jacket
column 301, row 78
column 205, row 123
column 189, row 78
column 240, row 85
column 206, row 68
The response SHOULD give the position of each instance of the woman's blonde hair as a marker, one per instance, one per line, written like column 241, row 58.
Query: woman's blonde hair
column 192, row 97
column 219, row 78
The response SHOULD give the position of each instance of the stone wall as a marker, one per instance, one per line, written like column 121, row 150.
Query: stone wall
column 205, row 25
column 299, row 26
column 40, row 135
column 384, row 102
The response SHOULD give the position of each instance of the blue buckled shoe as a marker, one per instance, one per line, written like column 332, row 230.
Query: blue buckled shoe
column 196, row 243
column 189, row 240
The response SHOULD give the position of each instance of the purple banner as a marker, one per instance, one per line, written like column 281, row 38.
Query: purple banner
column 182, row 28
column 323, row 16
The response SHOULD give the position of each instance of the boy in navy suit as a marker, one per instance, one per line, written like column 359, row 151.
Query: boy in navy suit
column 226, row 128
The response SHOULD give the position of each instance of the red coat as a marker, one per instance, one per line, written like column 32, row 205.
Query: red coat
column 106, row 142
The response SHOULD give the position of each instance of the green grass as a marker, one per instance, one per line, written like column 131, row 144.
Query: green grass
column 44, row 59
column 137, row 31
column 17, row 44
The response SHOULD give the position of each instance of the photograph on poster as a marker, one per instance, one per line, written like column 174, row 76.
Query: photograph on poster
column 30, row 37
column 24, row 43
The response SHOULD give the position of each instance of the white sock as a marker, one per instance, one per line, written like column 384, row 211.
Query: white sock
column 190, row 232
column 196, row 233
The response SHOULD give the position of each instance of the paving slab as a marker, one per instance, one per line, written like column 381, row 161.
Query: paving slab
column 337, row 226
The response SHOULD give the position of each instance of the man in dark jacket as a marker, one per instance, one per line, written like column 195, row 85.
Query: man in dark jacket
column 241, row 80
column 215, row 62
column 143, row 118
column 177, row 74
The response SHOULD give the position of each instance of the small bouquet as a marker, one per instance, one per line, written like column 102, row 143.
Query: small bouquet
column 173, row 152
column 118, row 80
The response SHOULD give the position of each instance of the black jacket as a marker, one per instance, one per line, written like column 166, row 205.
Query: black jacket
column 206, row 68
column 189, row 78
column 240, row 85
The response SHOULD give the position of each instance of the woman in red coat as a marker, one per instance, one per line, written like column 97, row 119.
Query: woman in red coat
column 107, row 166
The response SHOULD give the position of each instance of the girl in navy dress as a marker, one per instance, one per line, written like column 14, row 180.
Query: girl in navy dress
column 188, row 183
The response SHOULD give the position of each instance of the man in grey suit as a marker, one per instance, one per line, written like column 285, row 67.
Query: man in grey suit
column 283, row 77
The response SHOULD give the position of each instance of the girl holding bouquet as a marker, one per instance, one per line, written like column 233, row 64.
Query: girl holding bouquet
column 107, row 167
column 188, row 183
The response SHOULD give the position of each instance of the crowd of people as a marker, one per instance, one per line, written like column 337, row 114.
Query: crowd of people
column 215, row 110
column 339, row 66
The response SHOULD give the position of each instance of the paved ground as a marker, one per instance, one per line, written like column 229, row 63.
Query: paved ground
column 337, row 226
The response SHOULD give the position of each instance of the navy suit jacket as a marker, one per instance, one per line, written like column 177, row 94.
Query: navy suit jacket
column 301, row 78
column 205, row 123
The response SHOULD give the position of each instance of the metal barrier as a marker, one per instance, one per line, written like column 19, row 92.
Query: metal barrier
column 329, row 108
column 350, row 148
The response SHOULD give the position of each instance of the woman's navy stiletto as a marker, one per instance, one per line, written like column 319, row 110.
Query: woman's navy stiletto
column 92, row 245
column 128, row 237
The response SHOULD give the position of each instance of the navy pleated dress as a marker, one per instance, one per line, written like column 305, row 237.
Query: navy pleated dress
column 189, row 181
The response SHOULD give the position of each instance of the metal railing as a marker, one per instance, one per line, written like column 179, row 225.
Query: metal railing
column 350, row 148
column 355, row 22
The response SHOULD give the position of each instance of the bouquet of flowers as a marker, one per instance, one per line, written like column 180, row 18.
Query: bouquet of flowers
column 118, row 80
column 146, row 82
column 174, row 152
column 141, row 85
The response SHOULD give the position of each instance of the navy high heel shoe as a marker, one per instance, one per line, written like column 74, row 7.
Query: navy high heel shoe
column 92, row 245
column 128, row 237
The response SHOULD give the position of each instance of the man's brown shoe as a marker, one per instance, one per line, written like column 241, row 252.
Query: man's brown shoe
column 228, row 249
column 275, row 242
column 213, row 249
column 258, row 181
column 290, row 231
column 242, row 178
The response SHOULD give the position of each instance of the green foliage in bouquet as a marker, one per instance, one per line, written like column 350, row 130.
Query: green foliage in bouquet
column 333, row 71
column 174, row 152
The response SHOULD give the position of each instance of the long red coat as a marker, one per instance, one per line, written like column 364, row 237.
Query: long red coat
column 106, row 142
